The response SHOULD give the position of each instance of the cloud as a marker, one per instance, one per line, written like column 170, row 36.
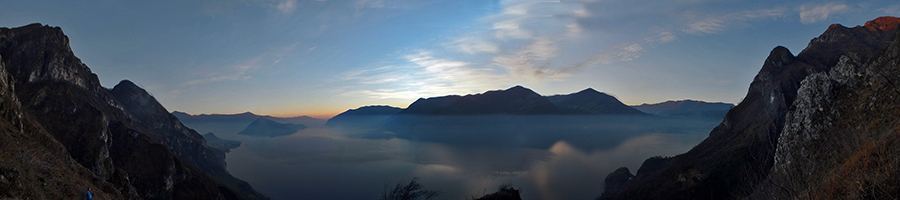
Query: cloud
column 716, row 23
column 420, row 75
column 287, row 6
column 238, row 71
column 710, row 25
column 891, row 10
column 473, row 45
column 532, row 61
column 812, row 14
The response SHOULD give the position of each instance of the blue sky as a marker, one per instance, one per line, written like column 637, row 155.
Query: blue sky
column 321, row 57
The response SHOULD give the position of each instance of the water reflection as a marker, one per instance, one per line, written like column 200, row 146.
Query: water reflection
column 323, row 163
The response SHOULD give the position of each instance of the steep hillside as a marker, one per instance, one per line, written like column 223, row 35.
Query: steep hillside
column 67, row 101
column 841, row 134
column 33, row 165
column 739, row 153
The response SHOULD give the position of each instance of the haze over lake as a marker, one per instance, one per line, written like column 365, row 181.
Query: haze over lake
column 333, row 163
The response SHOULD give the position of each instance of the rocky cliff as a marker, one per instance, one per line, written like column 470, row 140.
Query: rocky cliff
column 740, row 153
column 840, row 135
column 138, row 153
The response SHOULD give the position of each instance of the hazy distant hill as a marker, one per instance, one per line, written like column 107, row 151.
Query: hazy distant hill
column 266, row 127
column 366, row 117
column 589, row 101
column 686, row 108
column 230, row 124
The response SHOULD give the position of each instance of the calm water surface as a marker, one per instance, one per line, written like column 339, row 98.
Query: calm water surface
column 323, row 163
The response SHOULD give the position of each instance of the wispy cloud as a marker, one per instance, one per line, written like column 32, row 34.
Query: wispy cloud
column 287, row 6
column 814, row 13
column 532, row 61
column 239, row 70
column 717, row 23
column 705, row 26
column 891, row 10
column 420, row 75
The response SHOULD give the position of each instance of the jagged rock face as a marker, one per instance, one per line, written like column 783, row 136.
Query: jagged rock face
column 839, row 141
column 739, row 153
column 48, row 57
column 32, row 164
column 66, row 99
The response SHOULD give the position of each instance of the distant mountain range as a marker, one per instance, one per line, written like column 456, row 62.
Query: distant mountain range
column 227, row 125
column 519, row 100
column 686, row 108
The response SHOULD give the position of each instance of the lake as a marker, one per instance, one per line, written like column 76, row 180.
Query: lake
column 328, row 163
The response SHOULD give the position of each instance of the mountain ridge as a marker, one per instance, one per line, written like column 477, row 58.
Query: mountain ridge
column 741, row 151
column 98, row 131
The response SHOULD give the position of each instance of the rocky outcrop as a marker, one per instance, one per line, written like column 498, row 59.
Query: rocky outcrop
column 219, row 143
column 739, row 154
column 66, row 100
column 616, row 180
column 839, row 140
column 33, row 165
column 505, row 193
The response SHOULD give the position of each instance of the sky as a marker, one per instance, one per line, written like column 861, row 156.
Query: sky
column 321, row 57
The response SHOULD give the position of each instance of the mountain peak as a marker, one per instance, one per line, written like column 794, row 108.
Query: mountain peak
column 519, row 89
column 779, row 56
column 126, row 84
column 884, row 23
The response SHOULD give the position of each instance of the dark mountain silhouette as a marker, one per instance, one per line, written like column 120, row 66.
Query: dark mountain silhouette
column 589, row 101
column 266, row 127
column 522, row 118
column 366, row 117
column 686, row 108
column 219, row 143
column 516, row 100
column 737, row 158
column 131, row 152
column 519, row 100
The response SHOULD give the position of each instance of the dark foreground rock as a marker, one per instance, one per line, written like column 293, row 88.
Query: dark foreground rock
column 118, row 135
